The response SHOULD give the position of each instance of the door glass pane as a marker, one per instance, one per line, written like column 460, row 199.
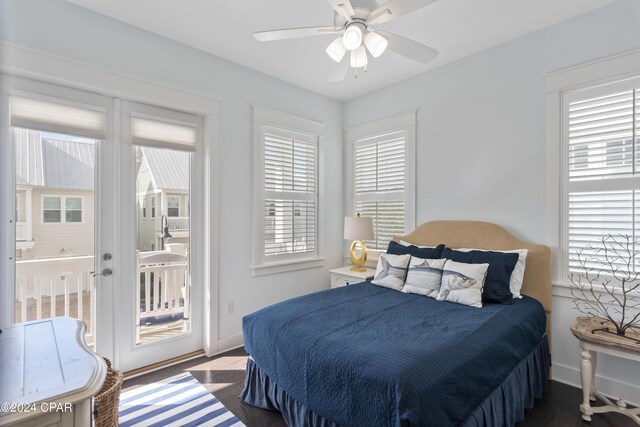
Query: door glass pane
column 55, row 189
column 163, row 247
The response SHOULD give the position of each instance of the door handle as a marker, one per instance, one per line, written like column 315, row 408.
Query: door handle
column 106, row 272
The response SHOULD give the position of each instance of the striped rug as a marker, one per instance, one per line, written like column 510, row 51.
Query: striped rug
column 175, row 401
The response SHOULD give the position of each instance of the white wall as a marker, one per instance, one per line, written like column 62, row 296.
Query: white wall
column 481, row 143
column 60, row 28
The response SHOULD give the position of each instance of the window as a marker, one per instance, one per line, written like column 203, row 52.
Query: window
column 73, row 209
column 173, row 206
column 144, row 207
column 61, row 209
column 51, row 209
column 287, row 191
column 602, row 180
column 382, row 183
column 153, row 206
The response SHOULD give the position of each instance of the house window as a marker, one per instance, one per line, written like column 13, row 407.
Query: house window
column 144, row 208
column 51, row 209
column 173, row 206
column 602, row 180
column 287, row 202
column 381, row 178
column 153, row 206
column 73, row 209
column 61, row 209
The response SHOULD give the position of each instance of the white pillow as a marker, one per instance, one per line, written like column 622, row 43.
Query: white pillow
column 517, row 276
column 462, row 283
column 405, row 243
column 391, row 271
column 424, row 276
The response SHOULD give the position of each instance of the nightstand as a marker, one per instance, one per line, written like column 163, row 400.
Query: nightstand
column 590, row 345
column 344, row 276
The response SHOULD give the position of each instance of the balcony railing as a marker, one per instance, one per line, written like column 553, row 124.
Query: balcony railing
column 178, row 223
column 65, row 287
column 56, row 287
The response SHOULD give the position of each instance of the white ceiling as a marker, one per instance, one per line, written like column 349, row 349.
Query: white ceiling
column 457, row 28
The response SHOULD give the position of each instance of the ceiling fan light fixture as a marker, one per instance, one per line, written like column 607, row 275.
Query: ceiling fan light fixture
column 352, row 37
column 336, row 50
column 375, row 43
column 359, row 57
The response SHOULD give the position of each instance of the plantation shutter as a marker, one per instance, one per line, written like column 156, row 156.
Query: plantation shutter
column 48, row 116
column 379, row 184
column 290, row 188
column 603, row 177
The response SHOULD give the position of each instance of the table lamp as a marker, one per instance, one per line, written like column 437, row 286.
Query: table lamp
column 358, row 228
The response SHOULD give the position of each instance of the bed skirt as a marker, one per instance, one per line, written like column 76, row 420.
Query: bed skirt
column 503, row 407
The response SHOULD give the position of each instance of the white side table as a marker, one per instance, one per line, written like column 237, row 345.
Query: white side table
column 344, row 276
column 49, row 375
column 590, row 345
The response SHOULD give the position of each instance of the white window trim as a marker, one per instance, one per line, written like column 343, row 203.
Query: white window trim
column 63, row 209
column 406, row 122
column 264, row 117
column 558, row 84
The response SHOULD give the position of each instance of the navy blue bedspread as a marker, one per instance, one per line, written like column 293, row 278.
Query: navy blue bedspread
column 363, row 355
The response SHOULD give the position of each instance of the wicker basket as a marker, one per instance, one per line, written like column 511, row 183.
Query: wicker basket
column 105, row 412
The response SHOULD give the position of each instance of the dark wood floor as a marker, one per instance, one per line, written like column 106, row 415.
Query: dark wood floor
column 223, row 376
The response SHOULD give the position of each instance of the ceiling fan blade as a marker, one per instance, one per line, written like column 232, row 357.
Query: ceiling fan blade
column 339, row 72
column 409, row 48
column 394, row 8
column 294, row 33
column 343, row 8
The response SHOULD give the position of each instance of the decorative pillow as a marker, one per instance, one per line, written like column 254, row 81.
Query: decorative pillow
column 496, row 288
column 391, row 271
column 396, row 248
column 424, row 276
column 462, row 283
column 517, row 277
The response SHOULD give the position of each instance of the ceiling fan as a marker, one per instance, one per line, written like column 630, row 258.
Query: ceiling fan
column 358, row 33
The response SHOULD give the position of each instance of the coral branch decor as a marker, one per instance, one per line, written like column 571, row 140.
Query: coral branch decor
column 605, row 282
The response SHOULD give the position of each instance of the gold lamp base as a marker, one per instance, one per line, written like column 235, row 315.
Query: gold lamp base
column 358, row 261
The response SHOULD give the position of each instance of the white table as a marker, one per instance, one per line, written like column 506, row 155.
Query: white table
column 49, row 375
column 590, row 345
column 344, row 276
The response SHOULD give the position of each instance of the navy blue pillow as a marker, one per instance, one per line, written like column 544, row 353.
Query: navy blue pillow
column 496, row 286
column 396, row 248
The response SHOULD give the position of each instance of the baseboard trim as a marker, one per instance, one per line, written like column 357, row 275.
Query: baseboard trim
column 164, row 364
column 229, row 343
column 610, row 387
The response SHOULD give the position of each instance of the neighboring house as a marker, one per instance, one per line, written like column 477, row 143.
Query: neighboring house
column 163, row 188
column 54, row 196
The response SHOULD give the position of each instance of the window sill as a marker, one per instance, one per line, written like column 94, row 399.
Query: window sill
column 285, row 266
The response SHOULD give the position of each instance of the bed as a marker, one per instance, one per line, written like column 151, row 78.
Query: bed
column 363, row 355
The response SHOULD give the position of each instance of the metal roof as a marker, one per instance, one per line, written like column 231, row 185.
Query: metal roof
column 43, row 161
column 53, row 163
column 169, row 168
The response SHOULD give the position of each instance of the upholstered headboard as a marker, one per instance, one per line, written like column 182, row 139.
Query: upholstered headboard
column 485, row 235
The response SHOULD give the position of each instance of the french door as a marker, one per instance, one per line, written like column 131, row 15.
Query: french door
column 104, row 192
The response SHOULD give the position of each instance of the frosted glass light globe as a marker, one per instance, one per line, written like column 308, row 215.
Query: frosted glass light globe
column 352, row 37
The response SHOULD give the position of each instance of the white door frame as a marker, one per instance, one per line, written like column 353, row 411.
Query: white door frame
column 19, row 61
